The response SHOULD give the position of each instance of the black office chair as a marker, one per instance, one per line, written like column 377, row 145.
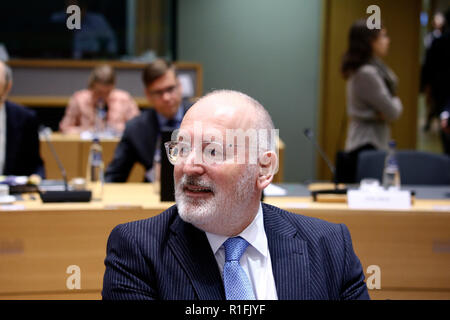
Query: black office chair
column 416, row 167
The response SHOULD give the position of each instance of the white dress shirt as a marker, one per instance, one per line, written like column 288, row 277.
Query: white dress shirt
column 2, row 137
column 255, row 260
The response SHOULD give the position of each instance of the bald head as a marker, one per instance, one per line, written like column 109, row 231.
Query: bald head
column 238, row 101
column 233, row 110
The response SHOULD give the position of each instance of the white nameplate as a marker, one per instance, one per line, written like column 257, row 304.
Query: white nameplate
column 379, row 199
column 12, row 207
column 272, row 191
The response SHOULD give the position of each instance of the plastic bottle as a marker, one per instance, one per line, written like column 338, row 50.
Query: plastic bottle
column 95, row 170
column 391, row 172
column 100, row 117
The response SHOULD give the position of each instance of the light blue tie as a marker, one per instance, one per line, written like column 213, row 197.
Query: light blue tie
column 237, row 285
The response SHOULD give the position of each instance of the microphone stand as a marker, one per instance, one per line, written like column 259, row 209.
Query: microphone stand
column 336, row 191
column 58, row 162
column 66, row 195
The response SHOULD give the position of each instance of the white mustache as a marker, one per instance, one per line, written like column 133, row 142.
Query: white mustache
column 195, row 181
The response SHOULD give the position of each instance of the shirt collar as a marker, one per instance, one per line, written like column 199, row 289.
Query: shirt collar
column 3, row 109
column 178, row 117
column 254, row 234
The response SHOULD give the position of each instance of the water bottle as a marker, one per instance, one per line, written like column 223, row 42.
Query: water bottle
column 100, row 117
column 95, row 170
column 391, row 172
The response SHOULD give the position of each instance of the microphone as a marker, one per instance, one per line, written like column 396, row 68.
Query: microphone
column 66, row 195
column 309, row 134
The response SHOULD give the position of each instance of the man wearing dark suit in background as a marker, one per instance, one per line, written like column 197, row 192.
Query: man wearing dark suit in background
column 436, row 72
column 140, row 140
column 219, row 241
column 19, row 139
column 445, row 126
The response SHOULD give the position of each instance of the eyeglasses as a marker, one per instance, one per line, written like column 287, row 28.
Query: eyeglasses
column 212, row 152
column 160, row 93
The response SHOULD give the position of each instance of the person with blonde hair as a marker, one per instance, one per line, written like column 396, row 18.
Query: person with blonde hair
column 86, row 105
column 141, row 139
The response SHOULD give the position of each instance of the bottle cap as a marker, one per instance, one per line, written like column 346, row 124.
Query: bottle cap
column 392, row 144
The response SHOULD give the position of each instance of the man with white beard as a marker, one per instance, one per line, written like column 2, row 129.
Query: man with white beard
column 219, row 241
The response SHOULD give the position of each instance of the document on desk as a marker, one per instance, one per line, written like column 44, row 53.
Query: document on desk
column 121, row 206
column 12, row 207
column 274, row 191
column 441, row 208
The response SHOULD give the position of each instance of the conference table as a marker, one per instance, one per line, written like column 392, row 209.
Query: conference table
column 41, row 242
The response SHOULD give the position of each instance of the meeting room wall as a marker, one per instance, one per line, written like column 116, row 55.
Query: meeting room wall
column 267, row 49
column 48, row 81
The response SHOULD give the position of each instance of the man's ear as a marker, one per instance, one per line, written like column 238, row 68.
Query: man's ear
column 268, row 166
column 8, row 88
column 5, row 92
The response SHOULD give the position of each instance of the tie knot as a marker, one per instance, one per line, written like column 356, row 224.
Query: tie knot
column 170, row 123
column 234, row 248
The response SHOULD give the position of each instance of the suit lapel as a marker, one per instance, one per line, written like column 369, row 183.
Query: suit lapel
column 148, row 130
column 289, row 255
column 192, row 250
column 11, row 132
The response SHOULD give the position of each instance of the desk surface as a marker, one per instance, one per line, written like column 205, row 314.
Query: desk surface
column 39, row 241
column 145, row 196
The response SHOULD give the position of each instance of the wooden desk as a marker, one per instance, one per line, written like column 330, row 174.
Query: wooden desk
column 73, row 153
column 39, row 242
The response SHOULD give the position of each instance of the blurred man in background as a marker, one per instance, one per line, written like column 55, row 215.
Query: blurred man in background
column 437, row 24
column 140, row 142
column 19, row 139
column 436, row 74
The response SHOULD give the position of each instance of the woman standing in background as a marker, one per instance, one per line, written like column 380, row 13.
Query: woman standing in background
column 372, row 102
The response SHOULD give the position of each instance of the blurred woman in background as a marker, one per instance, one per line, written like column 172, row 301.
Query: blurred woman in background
column 372, row 102
column 82, row 112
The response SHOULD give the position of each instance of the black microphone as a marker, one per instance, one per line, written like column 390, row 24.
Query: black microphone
column 66, row 195
column 310, row 135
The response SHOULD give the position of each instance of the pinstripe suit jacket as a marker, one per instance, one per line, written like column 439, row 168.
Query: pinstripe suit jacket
column 165, row 258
